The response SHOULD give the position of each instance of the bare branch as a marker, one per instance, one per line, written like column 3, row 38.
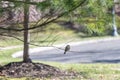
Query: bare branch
column 16, row 1
column 11, row 36
column 62, row 14
column 45, row 23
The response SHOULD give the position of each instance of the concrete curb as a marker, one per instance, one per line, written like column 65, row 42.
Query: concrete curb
column 39, row 49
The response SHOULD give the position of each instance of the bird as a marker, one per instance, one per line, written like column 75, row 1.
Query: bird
column 67, row 48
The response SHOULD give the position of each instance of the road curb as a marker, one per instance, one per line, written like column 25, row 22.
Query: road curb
column 35, row 50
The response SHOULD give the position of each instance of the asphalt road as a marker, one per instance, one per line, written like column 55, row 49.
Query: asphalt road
column 96, row 52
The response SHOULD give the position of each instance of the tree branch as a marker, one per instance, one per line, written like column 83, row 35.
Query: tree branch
column 16, row 1
column 45, row 23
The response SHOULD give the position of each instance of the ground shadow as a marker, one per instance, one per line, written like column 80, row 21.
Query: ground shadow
column 107, row 61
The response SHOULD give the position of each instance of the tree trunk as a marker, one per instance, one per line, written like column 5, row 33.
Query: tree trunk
column 26, row 32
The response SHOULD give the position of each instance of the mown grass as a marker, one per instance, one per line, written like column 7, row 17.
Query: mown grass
column 49, row 35
column 52, row 33
column 9, row 42
column 5, row 56
column 95, row 71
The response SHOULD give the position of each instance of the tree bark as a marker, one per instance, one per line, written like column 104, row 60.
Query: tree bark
column 26, row 33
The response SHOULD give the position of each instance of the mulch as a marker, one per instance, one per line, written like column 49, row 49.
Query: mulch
column 36, row 70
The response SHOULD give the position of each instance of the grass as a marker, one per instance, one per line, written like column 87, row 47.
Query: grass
column 9, row 42
column 52, row 34
column 95, row 71
column 5, row 56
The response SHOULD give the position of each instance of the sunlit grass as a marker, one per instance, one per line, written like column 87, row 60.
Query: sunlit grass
column 5, row 56
column 92, row 71
column 9, row 42
column 49, row 35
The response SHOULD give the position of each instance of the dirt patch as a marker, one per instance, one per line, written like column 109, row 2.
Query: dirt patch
column 39, row 70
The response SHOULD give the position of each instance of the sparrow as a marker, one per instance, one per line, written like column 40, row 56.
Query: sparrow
column 67, row 48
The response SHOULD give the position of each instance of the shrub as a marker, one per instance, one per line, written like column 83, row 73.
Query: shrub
column 97, row 29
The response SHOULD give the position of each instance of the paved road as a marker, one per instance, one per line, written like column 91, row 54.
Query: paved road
column 96, row 52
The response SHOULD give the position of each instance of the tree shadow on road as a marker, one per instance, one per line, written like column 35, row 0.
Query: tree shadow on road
column 107, row 61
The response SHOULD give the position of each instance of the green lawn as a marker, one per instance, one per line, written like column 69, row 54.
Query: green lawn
column 92, row 71
column 50, row 34
column 5, row 56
